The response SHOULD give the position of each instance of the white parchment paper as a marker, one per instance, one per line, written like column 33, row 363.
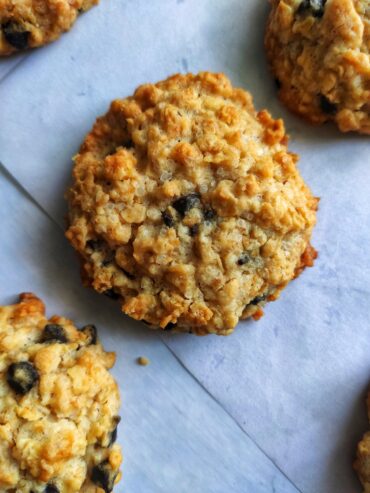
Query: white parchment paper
column 295, row 381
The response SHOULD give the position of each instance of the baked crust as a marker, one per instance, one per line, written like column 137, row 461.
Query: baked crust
column 187, row 206
column 31, row 23
column 319, row 53
column 58, row 404
column 362, row 463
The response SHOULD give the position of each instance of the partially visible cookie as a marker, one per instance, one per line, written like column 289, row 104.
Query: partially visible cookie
column 319, row 53
column 362, row 463
column 187, row 207
column 31, row 23
column 58, row 405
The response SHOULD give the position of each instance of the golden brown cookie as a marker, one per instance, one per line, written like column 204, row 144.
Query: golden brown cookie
column 319, row 52
column 58, row 405
column 362, row 463
column 31, row 23
column 187, row 207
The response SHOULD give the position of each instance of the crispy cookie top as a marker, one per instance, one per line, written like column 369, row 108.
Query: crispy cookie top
column 319, row 52
column 187, row 206
column 30, row 23
column 362, row 463
column 58, row 405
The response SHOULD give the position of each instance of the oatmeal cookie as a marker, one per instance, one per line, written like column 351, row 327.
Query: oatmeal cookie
column 362, row 463
column 187, row 207
column 31, row 23
column 319, row 52
column 58, row 405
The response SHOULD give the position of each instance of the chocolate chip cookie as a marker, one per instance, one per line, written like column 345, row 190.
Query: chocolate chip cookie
column 187, row 207
column 319, row 52
column 58, row 405
column 31, row 23
column 362, row 463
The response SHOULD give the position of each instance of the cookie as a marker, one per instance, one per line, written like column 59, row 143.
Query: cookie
column 58, row 405
column 187, row 207
column 319, row 53
column 362, row 463
column 31, row 23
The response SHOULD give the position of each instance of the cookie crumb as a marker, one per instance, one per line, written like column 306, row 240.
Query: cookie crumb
column 143, row 361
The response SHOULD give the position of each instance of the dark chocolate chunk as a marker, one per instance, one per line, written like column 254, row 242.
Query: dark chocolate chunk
column 194, row 230
column 304, row 6
column 316, row 8
column 109, row 258
column 51, row 488
column 209, row 214
column 15, row 35
column 258, row 299
column 185, row 203
column 113, row 434
column 327, row 106
column 113, row 437
column 54, row 333
column 103, row 476
column 277, row 83
column 21, row 377
column 94, row 244
column 91, row 332
column 127, row 274
column 128, row 144
column 243, row 259
column 170, row 326
column 168, row 219
column 111, row 294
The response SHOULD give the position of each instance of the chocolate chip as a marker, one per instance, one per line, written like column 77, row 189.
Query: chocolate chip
column 54, row 333
column 91, row 332
column 304, row 6
column 316, row 8
column 127, row 274
column 185, row 203
column 51, row 488
column 128, row 144
column 258, row 299
column 113, row 434
column 277, row 83
column 113, row 437
column 168, row 219
column 103, row 476
column 21, row 377
column 327, row 106
column 111, row 294
column 209, row 214
column 15, row 35
column 170, row 326
column 243, row 259
column 94, row 244
column 194, row 230
column 109, row 258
